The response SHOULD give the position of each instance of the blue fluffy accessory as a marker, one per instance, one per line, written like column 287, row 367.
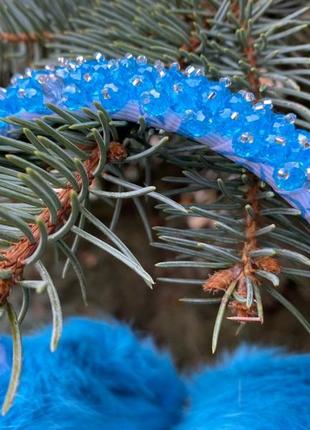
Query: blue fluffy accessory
column 103, row 378
column 233, row 124
column 100, row 377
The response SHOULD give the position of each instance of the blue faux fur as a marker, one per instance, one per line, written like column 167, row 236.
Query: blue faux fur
column 100, row 378
column 257, row 389
column 103, row 378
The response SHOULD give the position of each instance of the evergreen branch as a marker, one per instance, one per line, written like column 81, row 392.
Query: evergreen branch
column 246, row 41
column 254, row 220
column 17, row 359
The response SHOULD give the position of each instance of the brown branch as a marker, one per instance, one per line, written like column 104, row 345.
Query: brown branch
column 16, row 255
column 16, row 38
column 247, row 269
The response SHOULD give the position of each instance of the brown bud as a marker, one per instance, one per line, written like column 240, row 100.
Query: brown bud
column 269, row 264
column 116, row 152
column 221, row 280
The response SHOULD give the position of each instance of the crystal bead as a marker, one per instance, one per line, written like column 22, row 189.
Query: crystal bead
column 195, row 124
column 291, row 118
column 301, row 152
column 141, row 59
column 30, row 95
column 113, row 97
column 3, row 102
column 213, row 95
column 247, row 96
column 289, row 176
column 225, row 81
column 72, row 97
column 182, row 97
column 52, row 88
column 303, row 138
column 245, row 145
column 154, row 103
column 275, row 149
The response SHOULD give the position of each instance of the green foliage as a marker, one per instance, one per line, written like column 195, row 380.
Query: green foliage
column 26, row 26
column 263, row 41
column 47, row 167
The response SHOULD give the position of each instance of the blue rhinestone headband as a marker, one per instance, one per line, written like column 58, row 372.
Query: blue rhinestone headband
column 230, row 123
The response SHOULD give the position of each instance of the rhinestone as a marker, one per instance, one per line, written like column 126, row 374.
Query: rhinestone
column 234, row 115
column 177, row 88
column 175, row 66
column 268, row 102
column 159, row 65
column 212, row 95
column 136, row 82
column 304, row 141
column 226, row 81
column 62, row 61
column 21, row 92
column 98, row 56
column 280, row 140
column 283, row 174
column 42, row 79
column 28, row 72
column 200, row 71
column 50, row 67
column 142, row 59
column 128, row 56
column 249, row 97
column 106, row 94
column 291, row 118
column 190, row 70
column 259, row 106
column 87, row 77
column 247, row 138
column 80, row 59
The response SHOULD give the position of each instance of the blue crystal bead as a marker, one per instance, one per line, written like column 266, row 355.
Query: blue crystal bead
column 3, row 110
column 72, row 96
column 214, row 96
column 302, row 154
column 275, row 150
column 154, row 103
column 113, row 97
column 52, row 87
column 238, row 103
column 202, row 107
column 282, row 126
column 167, row 77
column 303, row 139
column 182, row 97
column 93, row 75
column 30, row 96
column 144, row 80
column 290, row 176
column 245, row 145
column 196, row 124
column 3, row 103
column 122, row 70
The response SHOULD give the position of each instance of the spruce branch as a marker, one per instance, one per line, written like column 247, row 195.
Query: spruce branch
column 250, row 235
column 256, row 44
column 57, row 160
column 243, row 244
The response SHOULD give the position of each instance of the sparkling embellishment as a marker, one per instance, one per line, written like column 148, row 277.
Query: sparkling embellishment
column 290, row 177
column 200, row 107
column 226, row 82
column 245, row 145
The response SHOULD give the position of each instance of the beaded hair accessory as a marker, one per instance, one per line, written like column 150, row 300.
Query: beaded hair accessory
column 230, row 123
